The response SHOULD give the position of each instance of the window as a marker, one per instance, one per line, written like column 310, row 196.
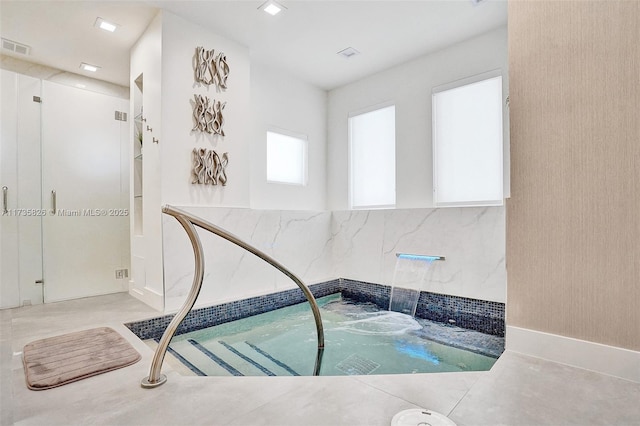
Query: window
column 286, row 158
column 372, row 143
column 467, row 142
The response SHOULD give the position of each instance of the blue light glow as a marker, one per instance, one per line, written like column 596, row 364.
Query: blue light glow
column 417, row 351
column 418, row 257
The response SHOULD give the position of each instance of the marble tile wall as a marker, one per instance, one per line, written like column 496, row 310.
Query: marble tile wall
column 320, row 246
column 299, row 240
column 472, row 239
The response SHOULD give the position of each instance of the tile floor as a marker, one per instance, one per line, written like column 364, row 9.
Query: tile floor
column 519, row 390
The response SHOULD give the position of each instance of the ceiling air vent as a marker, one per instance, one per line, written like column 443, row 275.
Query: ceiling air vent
column 349, row 52
column 15, row 47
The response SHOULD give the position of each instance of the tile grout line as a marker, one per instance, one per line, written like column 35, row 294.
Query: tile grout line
column 355, row 377
column 461, row 398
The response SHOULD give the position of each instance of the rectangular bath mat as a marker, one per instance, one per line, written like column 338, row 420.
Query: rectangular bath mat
column 59, row 360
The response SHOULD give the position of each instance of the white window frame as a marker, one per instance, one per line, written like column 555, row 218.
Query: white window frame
column 436, row 166
column 354, row 114
column 305, row 154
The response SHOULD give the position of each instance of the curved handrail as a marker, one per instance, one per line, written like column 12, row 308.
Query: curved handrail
column 188, row 221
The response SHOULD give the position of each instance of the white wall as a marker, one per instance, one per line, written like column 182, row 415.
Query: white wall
column 471, row 239
column 409, row 87
column 165, row 54
column 318, row 243
column 179, row 41
column 257, row 100
column 55, row 75
column 281, row 102
column 146, row 250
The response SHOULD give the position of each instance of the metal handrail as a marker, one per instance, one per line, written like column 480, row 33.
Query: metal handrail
column 188, row 221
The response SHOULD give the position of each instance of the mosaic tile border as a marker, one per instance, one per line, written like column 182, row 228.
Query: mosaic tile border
column 231, row 311
column 362, row 291
column 473, row 314
column 479, row 315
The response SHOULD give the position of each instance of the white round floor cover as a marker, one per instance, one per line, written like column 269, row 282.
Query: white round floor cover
column 419, row 417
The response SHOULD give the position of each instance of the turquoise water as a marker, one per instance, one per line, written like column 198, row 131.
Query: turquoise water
column 359, row 339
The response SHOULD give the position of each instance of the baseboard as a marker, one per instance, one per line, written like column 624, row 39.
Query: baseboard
column 150, row 297
column 610, row 360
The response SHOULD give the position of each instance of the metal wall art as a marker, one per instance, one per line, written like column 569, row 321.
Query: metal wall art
column 208, row 167
column 208, row 115
column 211, row 68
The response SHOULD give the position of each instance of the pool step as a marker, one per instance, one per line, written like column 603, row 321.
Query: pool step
column 176, row 361
column 206, row 362
column 275, row 364
column 265, row 360
column 219, row 358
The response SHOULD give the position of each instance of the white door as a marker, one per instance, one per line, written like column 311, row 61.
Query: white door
column 85, row 234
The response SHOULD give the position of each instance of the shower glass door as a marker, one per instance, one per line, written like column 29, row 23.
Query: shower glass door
column 85, row 190
column 20, row 178
column 64, row 163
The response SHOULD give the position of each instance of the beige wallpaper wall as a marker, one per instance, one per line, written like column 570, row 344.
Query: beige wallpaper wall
column 573, row 220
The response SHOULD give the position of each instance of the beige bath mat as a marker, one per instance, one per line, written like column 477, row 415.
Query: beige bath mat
column 59, row 360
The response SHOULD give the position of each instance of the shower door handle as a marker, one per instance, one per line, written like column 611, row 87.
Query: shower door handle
column 54, row 202
column 5, row 202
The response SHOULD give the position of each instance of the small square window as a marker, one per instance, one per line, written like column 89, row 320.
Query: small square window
column 286, row 159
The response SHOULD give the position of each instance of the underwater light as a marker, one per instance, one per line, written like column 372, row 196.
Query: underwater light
column 417, row 351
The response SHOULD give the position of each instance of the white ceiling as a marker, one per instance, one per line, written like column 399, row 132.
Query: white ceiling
column 301, row 41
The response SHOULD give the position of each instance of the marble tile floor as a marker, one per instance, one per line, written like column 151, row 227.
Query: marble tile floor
column 519, row 390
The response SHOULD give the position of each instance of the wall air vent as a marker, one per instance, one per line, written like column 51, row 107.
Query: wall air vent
column 15, row 47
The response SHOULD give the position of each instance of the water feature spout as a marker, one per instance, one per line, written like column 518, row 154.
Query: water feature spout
column 424, row 257
column 409, row 272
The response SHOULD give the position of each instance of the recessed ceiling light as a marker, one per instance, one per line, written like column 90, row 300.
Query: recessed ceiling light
column 105, row 25
column 349, row 52
column 272, row 7
column 89, row 67
column 81, row 86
